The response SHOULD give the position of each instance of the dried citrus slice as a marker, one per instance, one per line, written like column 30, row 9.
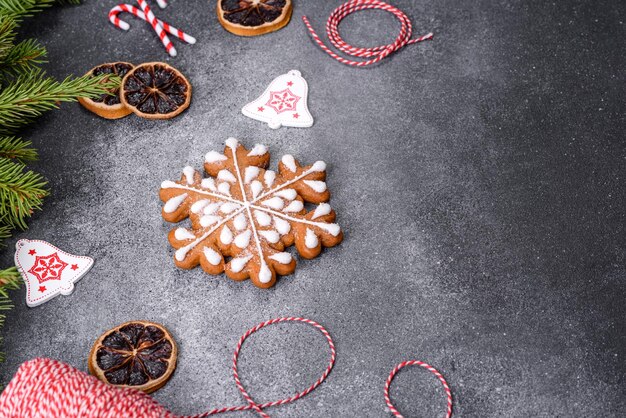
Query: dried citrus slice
column 108, row 106
column 137, row 354
column 155, row 90
column 253, row 17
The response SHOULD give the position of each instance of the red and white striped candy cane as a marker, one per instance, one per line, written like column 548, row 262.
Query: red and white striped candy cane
column 169, row 47
column 162, row 3
column 128, row 8
column 379, row 52
column 428, row 367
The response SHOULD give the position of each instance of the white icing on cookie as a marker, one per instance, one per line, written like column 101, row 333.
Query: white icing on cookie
column 173, row 203
column 242, row 240
column 282, row 258
column 208, row 220
column 181, row 253
column 265, row 274
column 295, row 206
column 289, row 162
column 269, row 178
column 226, row 236
column 256, row 187
column 232, row 143
column 189, row 172
column 212, row 256
column 318, row 166
column 199, row 205
column 318, row 186
column 282, row 226
column 208, row 183
column 224, row 188
column 211, row 208
column 251, row 173
column 259, row 149
column 167, row 184
column 228, row 207
column 332, row 229
column 288, row 194
column 226, row 175
column 237, row 264
column 183, row 234
column 274, row 203
column 310, row 239
column 214, row 157
column 321, row 210
column 240, row 222
column 262, row 218
column 271, row 236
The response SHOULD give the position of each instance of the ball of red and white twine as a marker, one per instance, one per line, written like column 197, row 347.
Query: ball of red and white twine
column 160, row 27
column 375, row 54
column 44, row 387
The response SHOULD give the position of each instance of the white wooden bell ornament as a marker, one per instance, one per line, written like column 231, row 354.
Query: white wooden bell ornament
column 283, row 103
column 47, row 270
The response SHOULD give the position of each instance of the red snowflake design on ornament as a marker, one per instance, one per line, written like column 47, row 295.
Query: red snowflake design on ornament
column 49, row 267
column 282, row 101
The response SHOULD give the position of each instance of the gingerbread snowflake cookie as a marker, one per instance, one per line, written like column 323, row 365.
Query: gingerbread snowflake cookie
column 244, row 216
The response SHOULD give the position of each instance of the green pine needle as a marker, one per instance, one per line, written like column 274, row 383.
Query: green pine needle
column 21, row 193
column 30, row 95
column 22, row 58
column 25, row 8
column 5, row 232
column 15, row 148
column 10, row 279
column 7, row 35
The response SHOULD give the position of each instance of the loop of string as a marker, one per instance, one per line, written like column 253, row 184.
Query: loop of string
column 259, row 407
column 375, row 54
column 426, row 366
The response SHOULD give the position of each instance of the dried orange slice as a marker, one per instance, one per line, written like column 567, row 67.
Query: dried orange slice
column 253, row 17
column 155, row 90
column 137, row 354
column 108, row 106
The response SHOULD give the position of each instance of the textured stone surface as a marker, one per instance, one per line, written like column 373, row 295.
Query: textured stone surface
column 479, row 179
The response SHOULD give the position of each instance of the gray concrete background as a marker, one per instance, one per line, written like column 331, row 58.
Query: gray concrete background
column 479, row 179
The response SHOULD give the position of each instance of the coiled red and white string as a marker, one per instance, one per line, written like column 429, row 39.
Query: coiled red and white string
column 44, row 387
column 375, row 54
column 428, row 367
column 159, row 26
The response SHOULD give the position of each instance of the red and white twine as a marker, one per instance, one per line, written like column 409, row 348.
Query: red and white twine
column 44, row 387
column 160, row 27
column 259, row 407
column 374, row 54
column 428, row 367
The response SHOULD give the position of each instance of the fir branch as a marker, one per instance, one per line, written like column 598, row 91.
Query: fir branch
column 21, row 192
column 5, row 232
column 15, row 148
column 7, row 35
column 25, row 8
column 30, row 95
column 22, row 58
column 10, row 279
